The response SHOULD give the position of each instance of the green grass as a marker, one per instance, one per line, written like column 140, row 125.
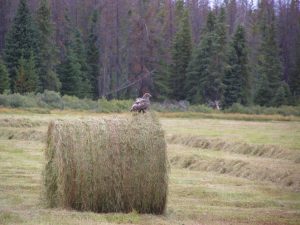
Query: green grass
column 230, row 116
column 196, row 196
column 286, row 134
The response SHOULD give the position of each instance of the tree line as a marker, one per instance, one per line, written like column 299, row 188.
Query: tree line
column 221, row 53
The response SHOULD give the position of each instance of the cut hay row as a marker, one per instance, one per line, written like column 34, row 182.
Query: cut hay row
column 107, row 165
column 240, row 168
column 268, row 151
column 20, row 122
column 30, row 134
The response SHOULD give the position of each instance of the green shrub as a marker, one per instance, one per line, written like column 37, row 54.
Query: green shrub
column 201, row 108
column 171, row 106
column 4, row 100
column 282, row 110
column 72, row 102
column 21, row 101
column 113, row 106
column 50, row 99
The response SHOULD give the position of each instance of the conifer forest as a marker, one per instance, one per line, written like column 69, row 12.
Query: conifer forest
column 203, row 51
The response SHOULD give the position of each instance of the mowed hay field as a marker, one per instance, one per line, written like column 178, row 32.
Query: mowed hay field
column 221, row 172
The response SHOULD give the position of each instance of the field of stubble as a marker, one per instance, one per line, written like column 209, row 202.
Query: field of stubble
column 222, row 172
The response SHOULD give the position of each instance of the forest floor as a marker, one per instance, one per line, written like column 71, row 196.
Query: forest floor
column 222, row 172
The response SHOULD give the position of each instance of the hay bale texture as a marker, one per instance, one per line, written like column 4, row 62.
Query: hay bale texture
column 107, row 165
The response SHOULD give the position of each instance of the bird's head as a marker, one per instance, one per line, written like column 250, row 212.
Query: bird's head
column 147, row 95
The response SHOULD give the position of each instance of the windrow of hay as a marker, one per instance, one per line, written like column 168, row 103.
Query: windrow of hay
column 240, row 168
column 268, row 151
column 107, row 165
column 20, row 122
column 30, row 134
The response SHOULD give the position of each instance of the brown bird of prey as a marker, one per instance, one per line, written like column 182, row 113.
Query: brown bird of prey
column 141, row 104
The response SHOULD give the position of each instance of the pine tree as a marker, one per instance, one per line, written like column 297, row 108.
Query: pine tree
column 20, row 86
column 4, row 77
column 47, row 50
column 81, row 56
column 197, row 70
column 181, row 55
column 213, row 84
column 269, row 65
column 237, row 75
column 32, row 81
column 264, row 93
column 179, row 11
column 20, row 40
column 70, row 74
column 206, row 69
column 295, row 73
column 161, row 80
column 295, row 77
column 93, row 55
column 282, row 95
column 73, row 70
column 27, row 78
column 161, row 75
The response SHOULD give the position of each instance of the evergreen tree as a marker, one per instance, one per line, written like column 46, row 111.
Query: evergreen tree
column 269, row 65
column 4, row 77
column 237, row 75
column 161, row 80
column 295, row 79
column 206, row 69
column 20, row 40
column 161, row 75
column 93, row 55
column 181, row 55
column 197, row 70
column 70, row 74
column 282, row 95
column 295, row 73
column 73, row 70
column 31, row 76
column 47, row 50
column 27, row 78
column 264, row 93
column 20, row 86
column 179, row 11
column 213, row 84
column 81, row 56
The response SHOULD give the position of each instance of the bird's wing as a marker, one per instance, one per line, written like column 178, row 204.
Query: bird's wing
column 144, row 104
column 138, row 100
column 140, row 103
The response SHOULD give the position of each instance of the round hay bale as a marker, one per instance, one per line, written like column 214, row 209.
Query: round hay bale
column 107, row 165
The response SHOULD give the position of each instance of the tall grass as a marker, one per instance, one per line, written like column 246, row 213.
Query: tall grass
column 115, row 165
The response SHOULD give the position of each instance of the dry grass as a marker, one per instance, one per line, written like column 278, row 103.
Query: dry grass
column 228, row 116
column 196, row 196
column 108, row 165
column 12, row 133
column 20, row 122
column 269, row 151
column 253, row 169
column 284, row 134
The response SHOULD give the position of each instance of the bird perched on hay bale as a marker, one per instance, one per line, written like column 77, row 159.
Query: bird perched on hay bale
column 141, row 104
